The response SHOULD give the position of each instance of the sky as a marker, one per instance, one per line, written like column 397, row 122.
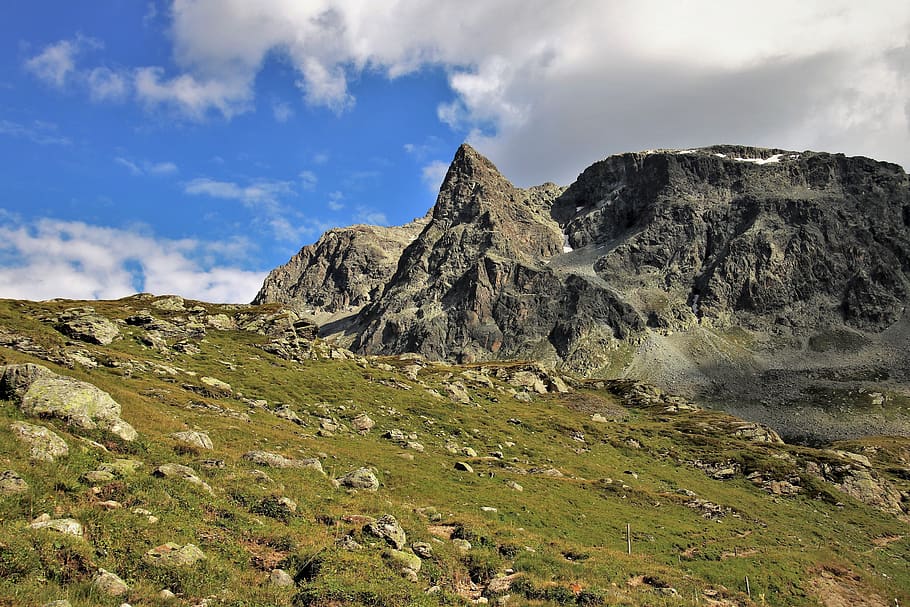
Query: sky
column 190, row 146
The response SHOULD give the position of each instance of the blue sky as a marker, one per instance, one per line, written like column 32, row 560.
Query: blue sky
column 190, row 146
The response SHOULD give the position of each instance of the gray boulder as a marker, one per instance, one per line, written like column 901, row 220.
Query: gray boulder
column 44, row 445
column 281, row 579
column 386, row 527
column 43, row 393
column 274, row 460
column 361, row 478
column 174, row 555
column 193, row 438
column 109, row 583
column 67, row 526
column 181, row 472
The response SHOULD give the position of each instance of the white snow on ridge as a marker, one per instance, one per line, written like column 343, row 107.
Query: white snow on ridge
column 719, row 155
column 566, row 247
column 772, row 160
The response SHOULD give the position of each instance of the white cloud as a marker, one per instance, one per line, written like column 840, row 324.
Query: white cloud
column 56, row 62
column 42, row 133
column 433, row 174
column 107, row 85
column 51, row 258
column 545, row 90
column 282, row 111
column 370, row 216
column 258, row 192
column 147, row 168
column 335, row 199
column 308, row 180
column 191, row 96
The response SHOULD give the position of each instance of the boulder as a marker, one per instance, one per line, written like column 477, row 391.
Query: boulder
column 463, row 467
column 174, row 555
column 193, row 438
column 216, row 384
column 44, row 445
column 362, row 423
column 398, row 559
column 121, row 467
column 170, row 303
column 97, row 477
column 43, row 393
column 58, row 603
column 422, row 549
column 11, row 483
column 109, row 583
column 85, row 325
column 386, row 527
column 285, row 412
column 361, row 478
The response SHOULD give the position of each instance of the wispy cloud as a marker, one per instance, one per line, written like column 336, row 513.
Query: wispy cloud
column 147, row 168
column 308, row 180
column 282, row 111
column 335, row 199
column 42, row 133
column 107, row 85
column 52, row 258
column 370, row 216
column 192, row 96
column 56, row 62
column 258, row 192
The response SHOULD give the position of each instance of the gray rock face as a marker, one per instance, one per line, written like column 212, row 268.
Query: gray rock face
column 347, row 267
column 274, row 460
column 44, row 445
column 85, row 325
column 194, row 438
column 67, row 526
column 361, row 478
column 43, row 393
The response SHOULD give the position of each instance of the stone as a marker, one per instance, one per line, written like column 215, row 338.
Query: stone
column 461, row 545
column 170, row 303
column 85, row 325
column 514, row 486
column 220, row 322
column 347, row 542
column 193, row 438
column 16, row 379
column 361, row 478
column 11, row 483
column 182, row 472
column 174, row 555
column 58, row 603
column 285, row 412
column 166, row 595
column 386, row 527
column 415, row 446
column 274, row 460
column 468, row 452
column 422, row 549
column 463, row 467
column 598, row 418
column 78, row 404
column 121, row 467
column 109, row 583
column 362, row 423
column 216, row 384
column 44, row 445
column 98, row 477
column 67, row 526
column 280, row 578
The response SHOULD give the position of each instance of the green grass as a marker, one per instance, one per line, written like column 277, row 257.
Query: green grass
column 559, row 533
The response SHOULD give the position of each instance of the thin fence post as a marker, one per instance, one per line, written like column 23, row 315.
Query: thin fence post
column 629, row 537
column 748, row 588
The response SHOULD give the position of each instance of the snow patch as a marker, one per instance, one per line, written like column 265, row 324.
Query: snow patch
column 566, row 247
column 772, row 160
column 685, row 151
column 577, row 209
column 719, row 155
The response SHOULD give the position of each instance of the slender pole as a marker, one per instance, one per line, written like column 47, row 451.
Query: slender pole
column 748, row 588
column 629, row 537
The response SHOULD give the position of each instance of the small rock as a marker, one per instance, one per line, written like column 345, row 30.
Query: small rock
column 174, row 555
column 464, row 467
column 44, row 445
column 11, row 483
column 67, row 526
column 121, row 467
column 194, row 438
column 275, row 460
column 280, row 579
column 285, row 412
column 347, row 542
column 513, row 485
column 600, row 419
column 422, row 549
column 415, row 446
column 98, row 477
column 461, row 545
column 109, row 583
column 402, row 560
column 361, row 478
column 724, row 474
column 166, row 595
column 182, row 472
column 468, row 452
column 85, row 325
column 216, row 384
column 58, row 603
column 489, row 509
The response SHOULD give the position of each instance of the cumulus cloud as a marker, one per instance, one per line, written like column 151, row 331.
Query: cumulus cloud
column 52, row 258
column 545, row 89
column 56, row 62
column 433, row 174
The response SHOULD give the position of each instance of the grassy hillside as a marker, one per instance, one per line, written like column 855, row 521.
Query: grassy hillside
column 555, row 479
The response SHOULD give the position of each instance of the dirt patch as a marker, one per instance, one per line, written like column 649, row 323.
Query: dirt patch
column 837, row 587
column 443, row 531
column 739, row 554
column 884, row 540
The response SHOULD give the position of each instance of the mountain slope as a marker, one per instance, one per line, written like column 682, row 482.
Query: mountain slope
column 472, row 481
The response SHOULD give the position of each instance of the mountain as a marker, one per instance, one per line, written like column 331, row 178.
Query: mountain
column 722, row 273
column 159, row 451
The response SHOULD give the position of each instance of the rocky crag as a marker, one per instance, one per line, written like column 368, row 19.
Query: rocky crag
column 695, row 269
